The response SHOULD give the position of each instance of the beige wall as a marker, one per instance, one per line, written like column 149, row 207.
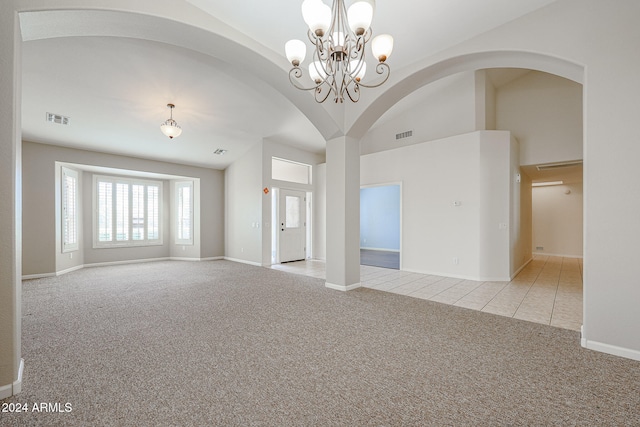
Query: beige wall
column 557, row 220
column 41, row 221
column 11, row 205
column 523, row 253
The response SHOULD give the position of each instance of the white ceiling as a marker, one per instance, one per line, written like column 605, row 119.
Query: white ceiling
column 115, row 89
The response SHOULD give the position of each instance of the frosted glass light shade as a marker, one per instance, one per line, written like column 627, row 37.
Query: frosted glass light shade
column 171, row 129
column 338, row 38
column 295, row 50
column 360, row 15
column 359, row 72
column 316, row 71
column 317, row 15
column 382, row 46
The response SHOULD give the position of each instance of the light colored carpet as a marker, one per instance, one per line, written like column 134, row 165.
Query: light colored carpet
column 219, row 343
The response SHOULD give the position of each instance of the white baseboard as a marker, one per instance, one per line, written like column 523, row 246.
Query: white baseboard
column 460, row 276
column 14, row 388
column 557, row 255
column 243, row 261
column 38, row 276
column 627, row 353
column 17, row 384
column 128, row 261
column 69, row 270
column 381, row 249
column 104, row 264
column 343, row 288
column 513, row 276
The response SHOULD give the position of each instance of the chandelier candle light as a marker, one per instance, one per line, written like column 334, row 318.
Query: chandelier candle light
column 339, row 37
column 170, row 127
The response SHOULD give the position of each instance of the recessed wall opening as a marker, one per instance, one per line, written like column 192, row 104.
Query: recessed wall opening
column 380, row 224
column 291, row 210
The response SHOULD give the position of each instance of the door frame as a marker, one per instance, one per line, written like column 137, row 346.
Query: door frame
column 389, row 184
column 275, row 220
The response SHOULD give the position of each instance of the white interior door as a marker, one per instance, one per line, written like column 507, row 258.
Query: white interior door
column 292, row 227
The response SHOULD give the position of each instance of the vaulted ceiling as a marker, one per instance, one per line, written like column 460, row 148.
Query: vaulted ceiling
column 114, row 84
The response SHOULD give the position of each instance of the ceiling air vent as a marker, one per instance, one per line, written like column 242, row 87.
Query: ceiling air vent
column 553, row 166
column 220, row 151
column 57, row 118
column 406, row 134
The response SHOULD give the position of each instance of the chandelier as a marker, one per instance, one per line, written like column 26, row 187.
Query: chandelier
column 339, row 37
column 170, row 127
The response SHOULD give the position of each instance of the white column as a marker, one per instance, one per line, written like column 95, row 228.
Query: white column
column 11, row 205
column 343, row 213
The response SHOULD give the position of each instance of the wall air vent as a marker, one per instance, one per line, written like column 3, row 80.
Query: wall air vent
column 406, row 134
column 554, row 166
column 220, row 151
column 57, row 118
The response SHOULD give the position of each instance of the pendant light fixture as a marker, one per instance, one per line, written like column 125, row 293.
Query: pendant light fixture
column 339, row 37
column 170, row 127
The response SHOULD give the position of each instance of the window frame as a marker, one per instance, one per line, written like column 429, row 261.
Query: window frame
column 178, row 208
column 66, row 246
column 130, row 242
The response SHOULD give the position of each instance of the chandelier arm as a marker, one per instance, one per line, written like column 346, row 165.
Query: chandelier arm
column 355, row 97
column 367, row 36
column 357, row 50
column 319, row 95
column 297, row 73
column 383, row 69
column 324, row 59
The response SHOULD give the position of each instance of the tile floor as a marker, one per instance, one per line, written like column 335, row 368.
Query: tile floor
column 548, row 290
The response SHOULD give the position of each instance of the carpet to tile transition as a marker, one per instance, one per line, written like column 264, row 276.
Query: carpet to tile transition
column 220, row 343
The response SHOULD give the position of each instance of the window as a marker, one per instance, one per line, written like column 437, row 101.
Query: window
column 127, row 212
column 292, row 217
column 287, row 170
column 184, row 205
column 69, row 210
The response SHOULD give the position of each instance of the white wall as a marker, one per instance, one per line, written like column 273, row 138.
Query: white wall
column 443, row 108
column 473, row 169
column 248, row 207
column 243, row 207
column 557, row 220
column 592, row 42
column 320, row 211
column 272, row 149
column 544, row 112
